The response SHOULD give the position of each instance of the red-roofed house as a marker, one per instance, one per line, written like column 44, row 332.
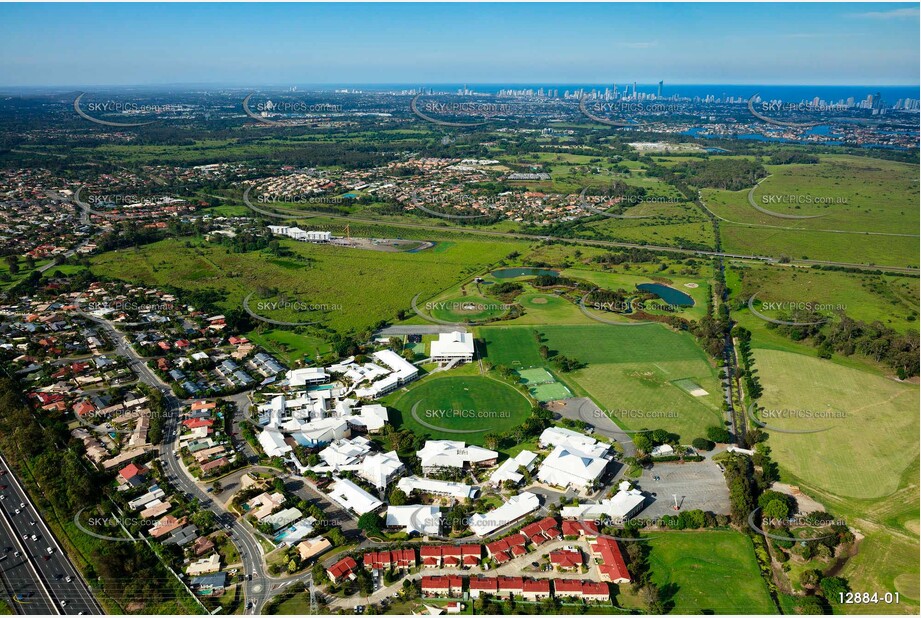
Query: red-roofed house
column 442, row 585
column 483, row 585
column 613, row 569
column 132, row 471
column 567, row 588
column 430, row 556
column 192, row 423
column 596, row 592
column 566, row 560
column 83, row 408
column 535, row 589
column 471, row 555
column 342, row 569
column 510, row 585
column 572, row 527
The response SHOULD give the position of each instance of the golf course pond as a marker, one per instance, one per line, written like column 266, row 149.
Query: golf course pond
column 669, row 295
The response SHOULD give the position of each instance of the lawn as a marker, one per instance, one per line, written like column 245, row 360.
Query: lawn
column 893, row 301
column 869, row 195
column 289, row 346
column 343, row 289
column 861, row 454
column 713, row 571
column 629, row 368
column 464, row 407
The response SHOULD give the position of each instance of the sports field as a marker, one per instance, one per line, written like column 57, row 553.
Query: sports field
column 712, row 571
column 542, row 385
column 459, row 407
column 629, row 368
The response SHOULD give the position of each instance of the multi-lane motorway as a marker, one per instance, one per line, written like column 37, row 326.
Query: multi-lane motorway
column 35, row 571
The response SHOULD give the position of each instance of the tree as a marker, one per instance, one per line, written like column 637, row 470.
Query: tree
column 702, row 444
column 810, row 578
column 833, row 588
column 776, row 509
column 371, row 524
column 336, row 537
column 643, row 443
column 718, row 434
column 491, row 441
column 398, row 497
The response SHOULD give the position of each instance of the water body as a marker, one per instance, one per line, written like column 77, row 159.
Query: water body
column 669, row 295
column 511, row 273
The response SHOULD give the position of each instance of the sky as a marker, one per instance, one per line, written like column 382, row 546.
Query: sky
column 247, row 45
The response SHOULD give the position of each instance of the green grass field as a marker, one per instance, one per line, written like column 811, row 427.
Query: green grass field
column 629, row 368
column 459, row 407
column 890, row 300
column 355, row 288
column 861, row 455
column 875, row 196
column 714, row 571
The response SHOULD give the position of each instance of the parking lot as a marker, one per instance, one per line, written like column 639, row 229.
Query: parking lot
column 697, row 485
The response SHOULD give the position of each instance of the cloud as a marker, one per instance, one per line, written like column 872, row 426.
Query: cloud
column 893, row 14
column 639, row 44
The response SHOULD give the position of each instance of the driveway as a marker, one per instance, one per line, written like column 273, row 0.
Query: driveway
column 584, row 409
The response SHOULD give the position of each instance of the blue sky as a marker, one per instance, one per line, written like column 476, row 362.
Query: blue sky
column 246, row 45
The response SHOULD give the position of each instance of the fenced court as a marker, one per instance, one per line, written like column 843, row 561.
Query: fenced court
column 542, row 385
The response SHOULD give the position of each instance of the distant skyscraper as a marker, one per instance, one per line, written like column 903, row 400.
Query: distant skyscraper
column 659, row 95
column 634, row 90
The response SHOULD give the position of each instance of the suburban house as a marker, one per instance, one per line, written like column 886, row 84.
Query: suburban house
column 342, row 569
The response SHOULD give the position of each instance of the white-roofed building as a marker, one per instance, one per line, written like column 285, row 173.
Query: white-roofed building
column 307, row 376
column 345, row 452
column 372, row 417
column 273, row 442
column 457, row 345
column 567, row 467
column 623, row 505
column 408, row 484
column 573, row 440
column 509, row 470
column 380, row 469
column 454, row 454
column 415, row 518
column 353, row 498
column 514, row 509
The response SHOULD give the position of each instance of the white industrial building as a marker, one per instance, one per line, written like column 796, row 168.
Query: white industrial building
column 568, row 467
column 303, row 235
column 454, row 346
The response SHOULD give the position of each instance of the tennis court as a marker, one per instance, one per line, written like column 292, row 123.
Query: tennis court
column 542, row 385
column 535, row 375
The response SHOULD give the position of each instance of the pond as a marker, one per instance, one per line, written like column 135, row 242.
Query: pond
column 669, row 295
column 511, row 273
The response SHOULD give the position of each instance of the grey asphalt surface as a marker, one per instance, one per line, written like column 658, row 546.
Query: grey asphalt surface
column 31, row 573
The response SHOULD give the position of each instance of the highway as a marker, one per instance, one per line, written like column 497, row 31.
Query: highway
column 47, row 581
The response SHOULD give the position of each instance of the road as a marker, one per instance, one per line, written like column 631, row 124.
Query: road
column 258, row 587
column 39, row 575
